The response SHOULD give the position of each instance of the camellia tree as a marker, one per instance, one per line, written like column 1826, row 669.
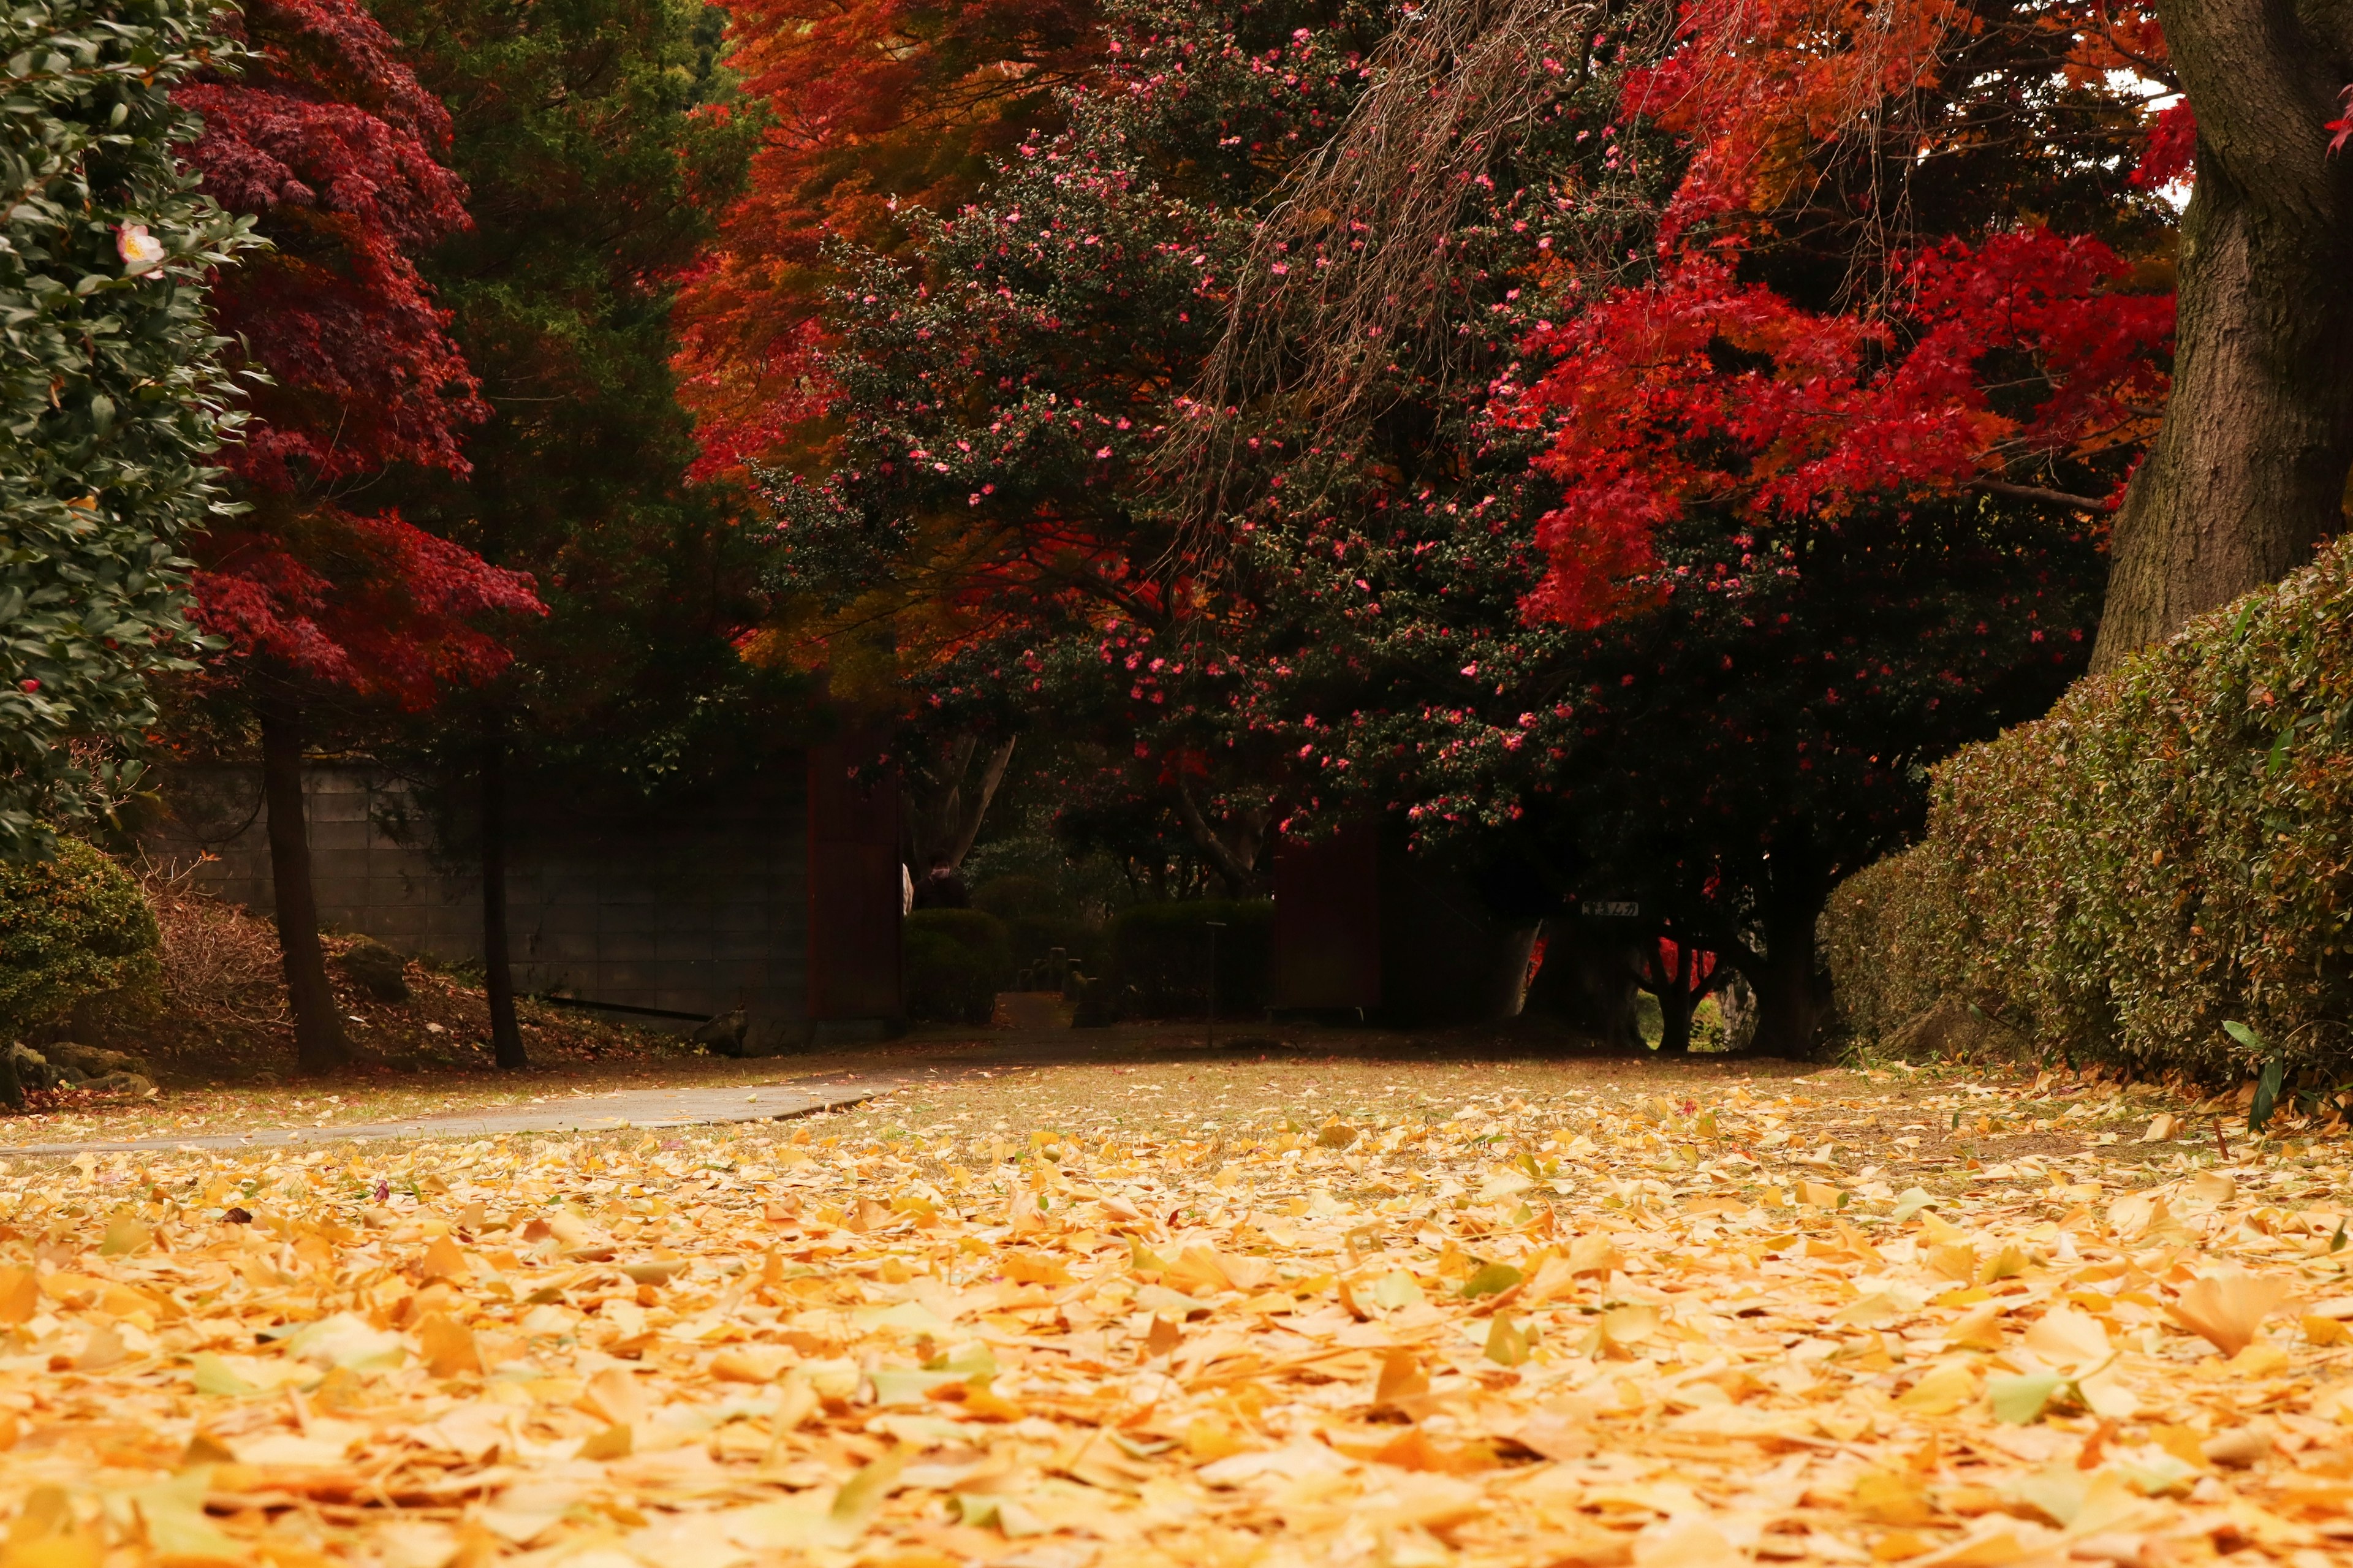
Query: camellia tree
column 1776, row 500
column 114, row 392
column 869, row 112
column 991, row 508
column 1516, row 418
column 330, row 145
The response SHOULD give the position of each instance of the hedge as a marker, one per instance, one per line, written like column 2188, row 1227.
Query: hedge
column 1158, row 959
column 2169, row 848
column 956, row 962
column 71, row 927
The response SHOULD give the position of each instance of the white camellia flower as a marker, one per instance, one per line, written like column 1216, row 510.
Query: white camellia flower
column 141, row 251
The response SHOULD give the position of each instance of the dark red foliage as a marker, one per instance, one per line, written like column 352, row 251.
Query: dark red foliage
column 331, row 143
column 370, row 604
column 2172, row 147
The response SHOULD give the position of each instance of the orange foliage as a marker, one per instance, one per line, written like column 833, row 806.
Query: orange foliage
column 874, row 107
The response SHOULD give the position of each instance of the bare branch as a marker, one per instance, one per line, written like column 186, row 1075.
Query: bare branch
column 1351, row 273
column 2037, row 493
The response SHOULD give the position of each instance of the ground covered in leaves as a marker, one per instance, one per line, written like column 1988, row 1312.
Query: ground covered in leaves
column 1286, row 1311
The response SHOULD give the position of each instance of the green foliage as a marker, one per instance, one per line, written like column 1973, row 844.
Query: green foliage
column 1158, row 965
column 2165, row 855
column 110, row 395
column 1889, row 935
column 73, row 926
column 592, row 143
column 956, row 962
column 1017, row 896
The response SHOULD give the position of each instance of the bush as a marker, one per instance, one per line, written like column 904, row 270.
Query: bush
column 1157, row 964
column 2169, row 848
column 1013, row 897
column 114, row 396
column 956, row 961
column 1889, row 935
column 71, row 927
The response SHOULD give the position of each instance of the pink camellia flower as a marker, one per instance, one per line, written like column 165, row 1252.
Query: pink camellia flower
column 30, row 685
column 141, row 251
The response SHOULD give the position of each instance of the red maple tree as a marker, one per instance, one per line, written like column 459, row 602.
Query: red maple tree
column 1987, row 357
column 331, row 145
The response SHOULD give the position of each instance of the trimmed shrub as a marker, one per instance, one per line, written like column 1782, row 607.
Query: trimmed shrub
column 2169, row 848
column 1016, row 897
column 1035, row 936
column 1158, row 961
column 1889, row 935
column 956, row 962
column 71, row 927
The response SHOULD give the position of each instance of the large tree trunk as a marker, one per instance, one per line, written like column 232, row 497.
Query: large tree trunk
column 1793, row 992
column 319, row 1044
column 498, row 969
column 2248, row 469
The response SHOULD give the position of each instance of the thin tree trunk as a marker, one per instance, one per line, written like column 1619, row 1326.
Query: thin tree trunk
column 1241, row 878
column 506, row 1035
column 2248, row 471
column 944, row 809
column 1675, row 1007
column 319, row 1044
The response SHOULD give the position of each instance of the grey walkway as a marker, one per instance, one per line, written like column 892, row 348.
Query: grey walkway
column 683, row 1107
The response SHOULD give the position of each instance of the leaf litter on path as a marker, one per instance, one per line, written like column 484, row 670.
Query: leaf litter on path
column 1529, row 1325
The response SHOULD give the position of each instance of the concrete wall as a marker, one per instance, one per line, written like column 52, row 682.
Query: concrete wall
column 685, row 912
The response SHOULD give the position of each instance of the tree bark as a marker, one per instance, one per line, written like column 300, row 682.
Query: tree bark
column 943, row 815
column 1239, row 874
column 498, row 969
column 1675, row 1007
column 2248, row 468
column 1793, row 993
column 319, row 1044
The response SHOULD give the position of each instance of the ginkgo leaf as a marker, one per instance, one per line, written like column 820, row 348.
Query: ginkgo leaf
column 2227, row 1308
column 2021, row 1400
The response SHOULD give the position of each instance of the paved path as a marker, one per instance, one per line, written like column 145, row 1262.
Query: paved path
column 682, row 1107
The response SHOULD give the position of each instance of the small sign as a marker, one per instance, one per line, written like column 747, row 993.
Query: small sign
column 1612, row 910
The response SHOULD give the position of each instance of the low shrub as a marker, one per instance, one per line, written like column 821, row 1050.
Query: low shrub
column 1156, row 962
column 1012, row 897
column 954, row 962
column 1889, row 936
column 2169, row 848
column 71, row 927
column 1035, row 937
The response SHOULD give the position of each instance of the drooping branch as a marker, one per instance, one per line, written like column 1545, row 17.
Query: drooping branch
column 1352, row 270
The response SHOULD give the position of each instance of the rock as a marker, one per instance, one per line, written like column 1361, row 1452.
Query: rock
column 83, row 1063
column 723, row 1036
column 1951, row 1029
column 380, row 972
column 34, row 1069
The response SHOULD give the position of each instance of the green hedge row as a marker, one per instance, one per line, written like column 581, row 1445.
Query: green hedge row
column 1151, row 961
column 1158, row 965
column 2171, row 847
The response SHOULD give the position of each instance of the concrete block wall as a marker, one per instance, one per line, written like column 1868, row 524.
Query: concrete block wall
column 686, row 910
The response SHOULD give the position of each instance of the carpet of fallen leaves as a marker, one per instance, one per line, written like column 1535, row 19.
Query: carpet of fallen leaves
column 1742, row 1320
